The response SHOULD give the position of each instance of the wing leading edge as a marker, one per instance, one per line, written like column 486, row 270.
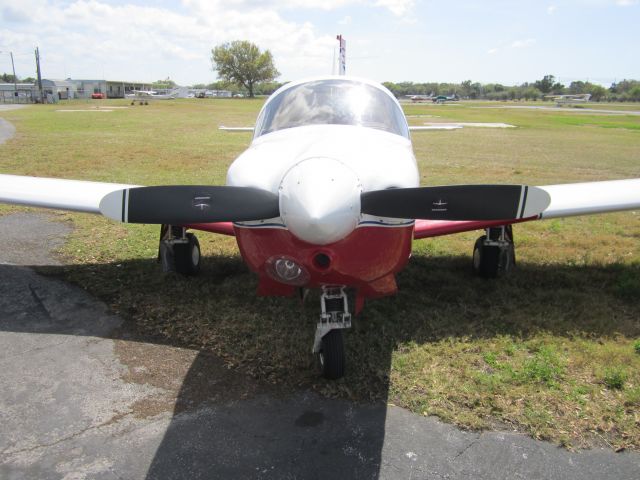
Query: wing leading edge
column 567, row 200
column 72, row 195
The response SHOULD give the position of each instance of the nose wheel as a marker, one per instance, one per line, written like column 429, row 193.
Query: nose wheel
column 331, row 355
column 329, row 342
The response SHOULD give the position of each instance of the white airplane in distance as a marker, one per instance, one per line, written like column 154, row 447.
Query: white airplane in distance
column 569, row 99
column 327, row 196
column 420, row 98
column 146, row 95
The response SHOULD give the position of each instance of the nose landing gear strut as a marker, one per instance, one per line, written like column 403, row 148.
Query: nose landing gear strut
column 329, row 344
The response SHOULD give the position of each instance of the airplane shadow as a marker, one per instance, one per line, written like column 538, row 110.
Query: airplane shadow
column 230, row 421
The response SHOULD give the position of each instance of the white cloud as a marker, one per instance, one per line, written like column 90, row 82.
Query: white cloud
column 626, row 3
column 551, row 9
column 523, row 43
column 131, row 42
column 81, row 38
column 515, row 44
column 322, row 4
column 397, row 7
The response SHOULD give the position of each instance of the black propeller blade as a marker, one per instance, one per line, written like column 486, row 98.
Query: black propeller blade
column 457, row 202
column 182, row 204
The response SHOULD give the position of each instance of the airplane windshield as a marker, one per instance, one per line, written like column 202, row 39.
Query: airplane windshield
column 332, row 102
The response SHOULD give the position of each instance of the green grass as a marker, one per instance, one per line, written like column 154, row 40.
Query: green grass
column 550, row 350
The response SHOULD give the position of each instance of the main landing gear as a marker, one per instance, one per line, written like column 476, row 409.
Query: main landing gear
column 328, row 343
column 494, row 254
column 179, row 251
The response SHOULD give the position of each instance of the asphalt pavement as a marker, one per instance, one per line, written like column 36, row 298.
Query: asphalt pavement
column 7, row 130
column 79, row 399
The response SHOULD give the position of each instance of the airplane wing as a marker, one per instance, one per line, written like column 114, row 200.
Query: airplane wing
column 73, row 195
column 567, row 200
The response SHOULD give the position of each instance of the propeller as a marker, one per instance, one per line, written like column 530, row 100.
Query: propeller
column 182, row 204
column 457, row 202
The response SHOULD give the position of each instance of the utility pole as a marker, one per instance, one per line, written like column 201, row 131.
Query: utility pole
column 39, row 76
column 15, row 79
column 342, row 56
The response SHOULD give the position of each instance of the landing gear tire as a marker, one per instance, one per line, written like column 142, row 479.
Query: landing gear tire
column 492, row 261
column 486, row 259
column 332, row 355
column 187, row 256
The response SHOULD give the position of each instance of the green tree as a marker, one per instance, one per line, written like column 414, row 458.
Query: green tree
column 8, row 78
column 577, row 87
column 598, row 92
column 548, row 84
column 241, row 62
column 164, row 84
column 634, row 93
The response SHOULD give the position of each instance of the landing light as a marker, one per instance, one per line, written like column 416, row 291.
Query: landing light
column 286, row 270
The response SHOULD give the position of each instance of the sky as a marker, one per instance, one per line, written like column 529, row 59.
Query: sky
column 504, row 41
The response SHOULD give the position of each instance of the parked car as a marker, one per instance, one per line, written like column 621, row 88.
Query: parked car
column 98, row 96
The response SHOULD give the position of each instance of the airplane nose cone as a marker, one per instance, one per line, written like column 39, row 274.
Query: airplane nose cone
column 320, row 200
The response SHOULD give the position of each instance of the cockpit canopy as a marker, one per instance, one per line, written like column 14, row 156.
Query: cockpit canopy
column 332, row 102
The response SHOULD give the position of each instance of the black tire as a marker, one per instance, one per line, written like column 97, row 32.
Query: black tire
column 507, row 260
column 187, row 256
column 332, row 355
column 486, row 259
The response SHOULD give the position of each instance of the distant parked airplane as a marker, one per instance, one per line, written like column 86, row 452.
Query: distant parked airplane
column 146, row 95
column 569, row 99
column 420, row 98
column 446, row 98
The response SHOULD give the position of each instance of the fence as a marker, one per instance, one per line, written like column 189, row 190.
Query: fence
column 23, row 96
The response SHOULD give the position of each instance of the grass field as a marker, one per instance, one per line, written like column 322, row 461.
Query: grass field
column 553, row 350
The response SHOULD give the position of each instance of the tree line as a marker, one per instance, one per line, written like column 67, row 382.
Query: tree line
column 244, row 69
column 623, row 91
column 9, row 78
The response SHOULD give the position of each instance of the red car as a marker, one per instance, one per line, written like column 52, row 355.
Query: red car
column 97, row 95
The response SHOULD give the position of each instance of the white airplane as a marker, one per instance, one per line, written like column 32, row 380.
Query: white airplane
column 570, row 99
column 146, row 95
column 421, row 98
column 327, row 196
